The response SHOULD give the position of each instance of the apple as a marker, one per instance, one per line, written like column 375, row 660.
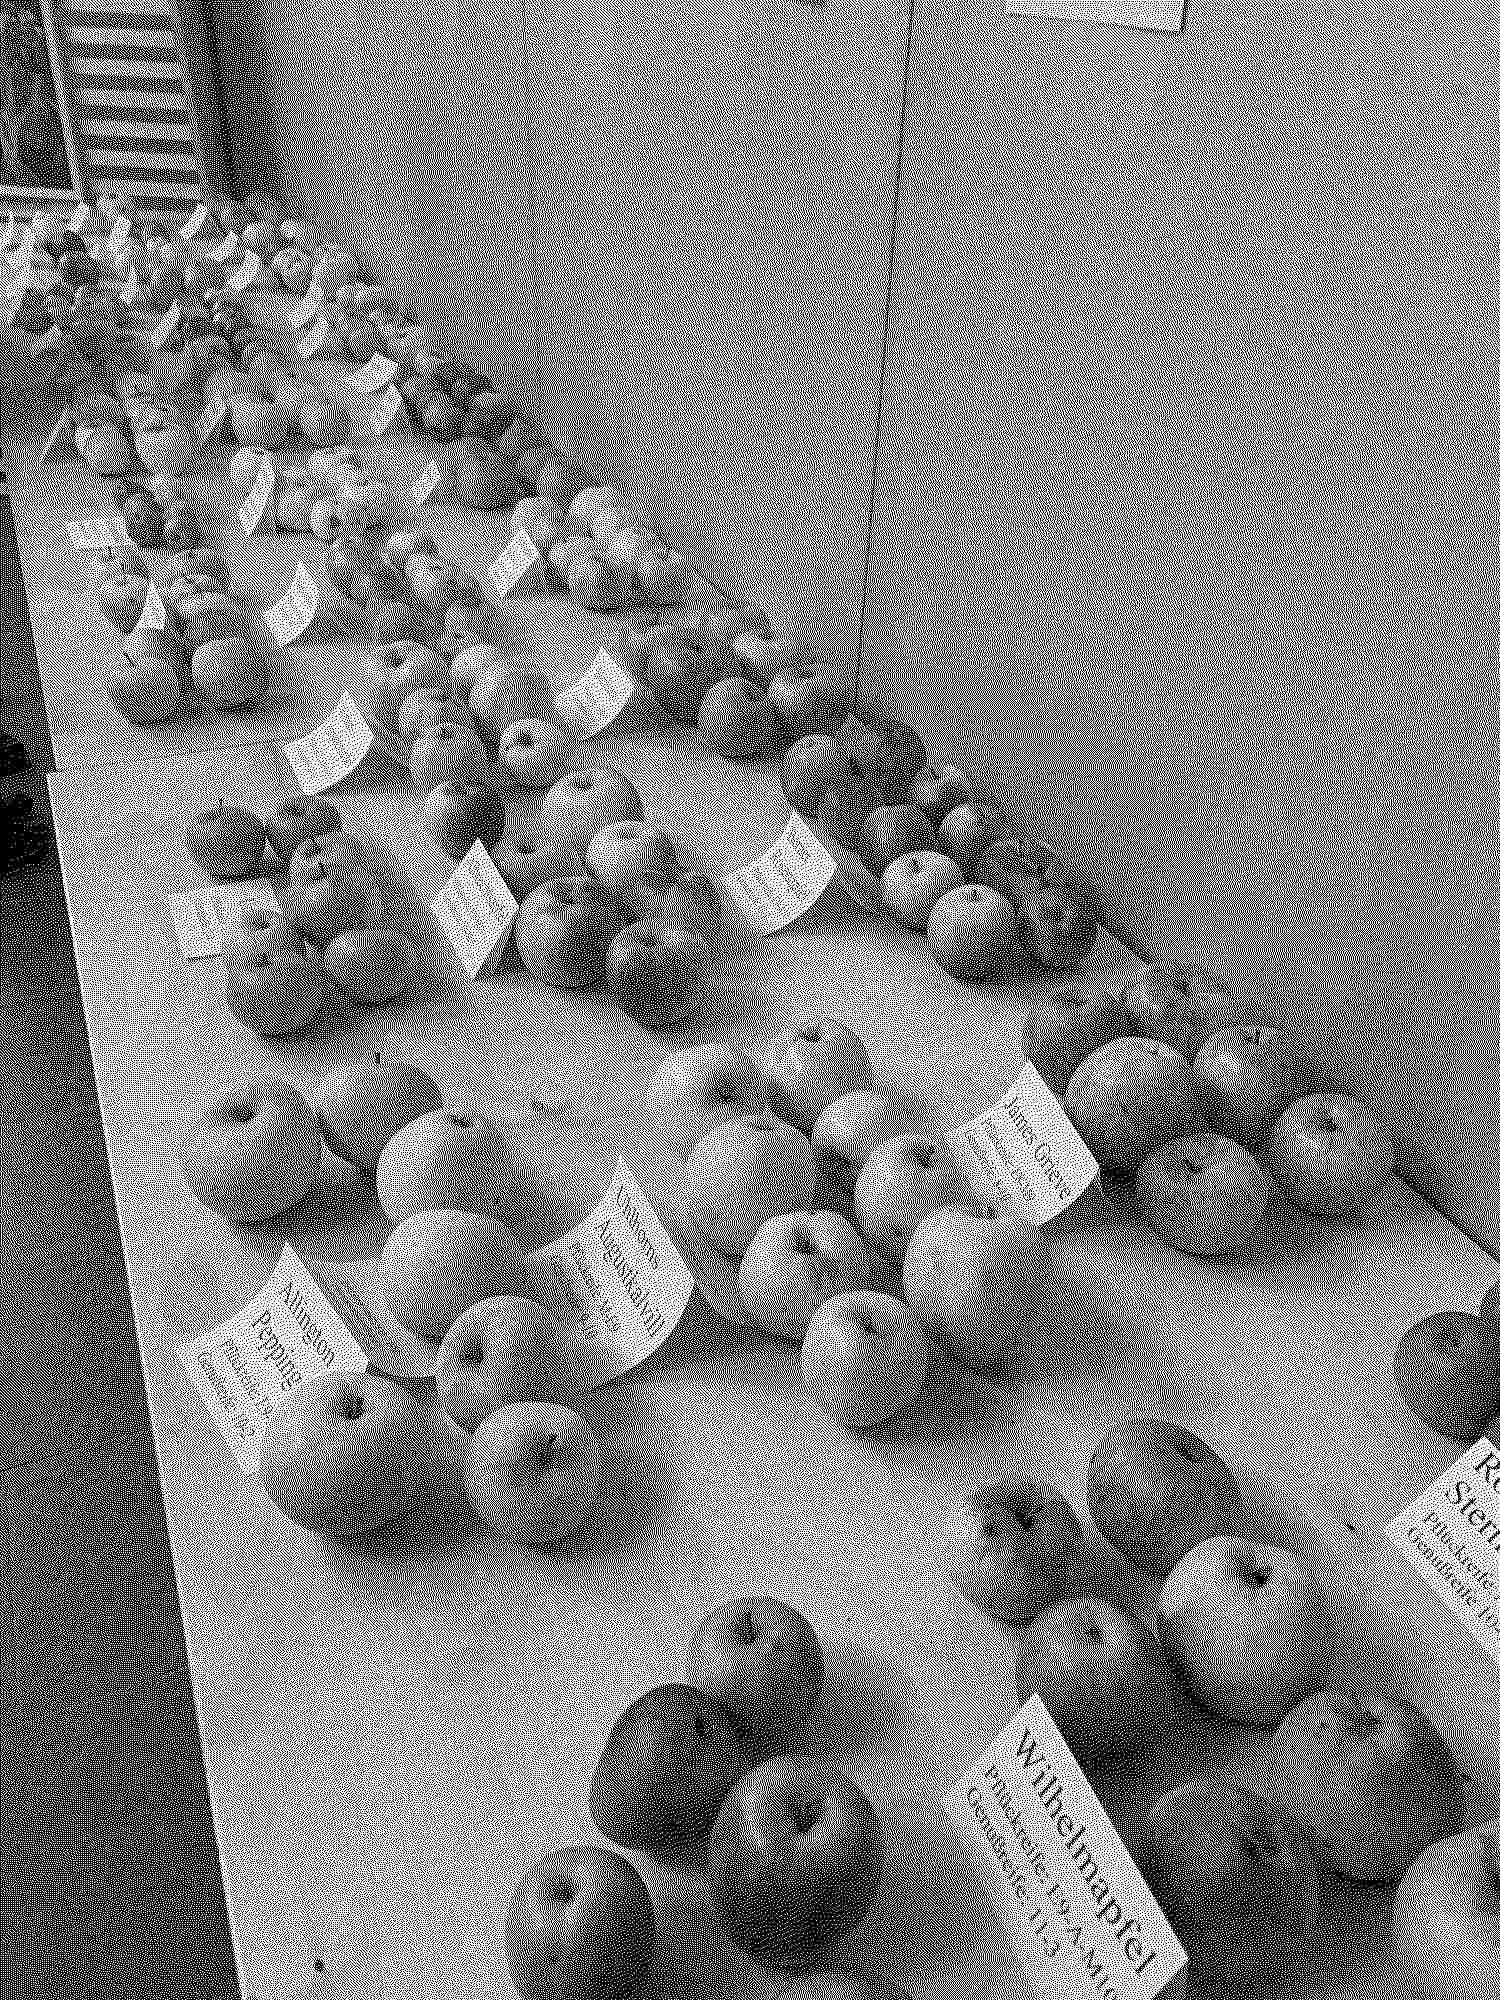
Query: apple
column 229, row 672
column 895, row 745
column 891, row 831
column 938, row 790
column 665, row 1769
column 973, row 1274
column 1131, row 1096
column 144, row 691
column 535, row 753
column 425, row 708
column 254, row 1152
column 1329, row 1153
column 581, row 802
column 563, row 931
column 694, row 1089
column 1155, row 1490
column 328, row 898
column 1235, row 1879
column 458, row 812
column 966, row 832
column 847, row 1132
column 762, row 1662
column 326, row 851
column 864, row 1357
column 580, row 1927
column 1247, row 1627
column 1445, row 1921
column 743, row 1171
column 255, row 932
column 447, row 754
column 1202, row 1193
column 227, row 842
column 505, row 1350
column 299, row 819
column 1012, row 1548
column 912, row 883
column 345, row 1453
column 795, row 1857
column 622, row 852
column 1489, row 1305
column 679, row 674
column 445, row 1159
column 1016, row 865
column 1180, row 1004
column 363, row 1104
column 808, row 768
column 846, row 803
column 122, row 598
column 738, row 719
column 272, row 992
column 809, row 1066
column 903, row 1180
column 1248, row 1077
column 794, row 1264
column 372, row 964
column 656, row 972
column 526, row 864
column 809, row 700
column 532, row 1473
column 1447, row 1367
column 392, row 672
column 439, row 1262
column 470, row 663
column 1056, row 926
column 971, row 930
column 507, row 693
column 1067, row 1024
column 1102, row 1675
column 692, row 902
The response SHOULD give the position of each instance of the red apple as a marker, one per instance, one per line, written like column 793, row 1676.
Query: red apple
column 1067, row 1024
column 580, row 1927
column 972, row 932
column 1102, row 1676
column 1248, row 1077
column 1329, row 1153
column 761, row 1661
column 563, row 931
column 809, row 767
column 657, row 972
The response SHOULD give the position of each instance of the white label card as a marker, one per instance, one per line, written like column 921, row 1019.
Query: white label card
column 385, row 411
column 98, row 534
column 194, row 224
column 132, row 287
column 153, row 616
column 1070, row 1900
column 290, row 616
column 167, row 325
column 1164, row 15
column 1451, row 1534
column 119, row 236
column 258, row 499
column 79, row 217
column 330, row 752
column 617, row 1278
column 1026, row 1150
column 377, row 371
column 476, row 910
column 247, row 273
column 200, row 917
column 59, row 440
column 512, row 563
column 211, row 421
column 227, row 251
column 592, row 702
column 307, row 307
column 427, row 484
column 785, row 882
column 287, row 1334
column 314, row 339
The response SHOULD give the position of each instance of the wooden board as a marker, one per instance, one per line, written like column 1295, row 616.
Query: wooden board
column 393, row 1732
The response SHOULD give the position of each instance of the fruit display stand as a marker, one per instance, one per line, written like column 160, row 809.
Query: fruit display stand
column 394, row 1731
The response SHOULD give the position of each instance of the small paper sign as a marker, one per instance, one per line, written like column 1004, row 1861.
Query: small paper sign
column 167, row 325
column 119, row 236
column 258, row 499
column 79, row 217
column 98, row 534
column 1026, row 1149
column 314, row 339
column 59, row 440
column 476, row 910
column 200, row 917
column 377, row 371
column 153, row 616
column 194, row 224
column 427, row 484
column 1070, row 1900
column 512, row 563
column 592, row 703
column 1166, row 16
column 385, row 411
column 211, row 421
column 1451, row 1535
column 307, row 307
column 332, row 750
column 785, row 882
column 247, row 273
column 290, row 616
column 131, row 290
column 617, row 1278
column 227, row 251
column 287, row 1334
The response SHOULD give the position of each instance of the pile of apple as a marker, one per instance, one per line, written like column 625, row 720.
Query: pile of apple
column 332, row 496
column 408, row 591
column 1447, row 1367
column 1168, row 1084
column 1359, row 1784
column 603, row 553
column 332, row 905
column 207, row 648
column 793, row 1849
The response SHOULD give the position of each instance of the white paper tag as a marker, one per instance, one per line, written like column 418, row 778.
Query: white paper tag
column 98, row 534
column 247, row 273
column 330, row 752
column 1026, row 1149
column 591, row 704
column 1451, row 1534
column 59, row 440
column 1164, row 15
column 227, row 251
column 131, row 290
column 211, row 421
column 119, row 236
column 617, row 1278
column 785, row 882
column 1071, row 1901
column 307, row 307
column 194, row 224
column 314, row 340
column 512, row 563
column 167, row 325
column 287, row 1334
column 476, row 910
column 153, row 616
column 290, row 616
column 385, row 411
column 376, row 372
column 79, row 217
column 427, row 484
column 258, row 499
column 201, row 916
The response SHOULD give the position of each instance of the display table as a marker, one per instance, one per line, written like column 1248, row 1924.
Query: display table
column 393, row 1731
